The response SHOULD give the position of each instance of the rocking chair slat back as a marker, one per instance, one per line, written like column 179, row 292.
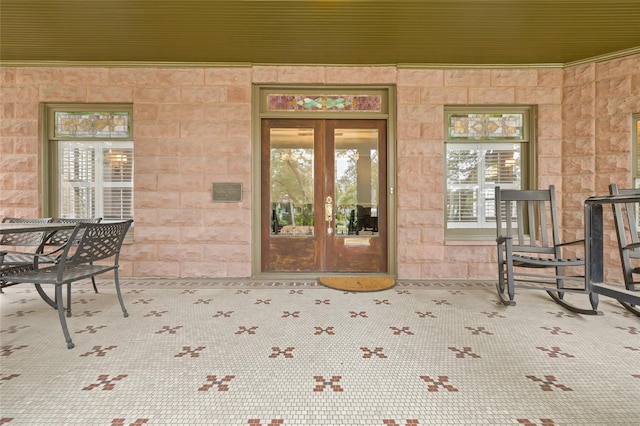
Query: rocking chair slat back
column 529, row 249
column 527, row 217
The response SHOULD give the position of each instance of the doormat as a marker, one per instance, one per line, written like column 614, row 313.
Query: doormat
column 363, row 283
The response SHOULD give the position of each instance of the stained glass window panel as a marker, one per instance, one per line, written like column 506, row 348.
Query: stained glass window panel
column 486, row 126
column 92, row 124
column 360, row 103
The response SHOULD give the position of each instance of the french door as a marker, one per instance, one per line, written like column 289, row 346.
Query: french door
column 323, row 203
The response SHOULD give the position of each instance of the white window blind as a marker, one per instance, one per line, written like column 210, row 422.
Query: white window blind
column 473, row 172
column 96, row 179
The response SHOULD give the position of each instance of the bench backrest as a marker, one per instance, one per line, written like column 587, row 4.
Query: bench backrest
column 60, row 238
column 34, row 239
column 96, row 241
column 529, row 217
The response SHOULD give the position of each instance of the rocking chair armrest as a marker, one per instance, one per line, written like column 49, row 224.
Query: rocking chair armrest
column 503, row 239
column 570, row 243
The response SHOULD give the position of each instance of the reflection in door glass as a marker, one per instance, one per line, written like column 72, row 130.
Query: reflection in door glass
column 291, row 176
column 356, row 181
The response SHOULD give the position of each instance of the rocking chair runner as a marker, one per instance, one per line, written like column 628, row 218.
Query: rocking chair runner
column 628, row 241
column 530, row 253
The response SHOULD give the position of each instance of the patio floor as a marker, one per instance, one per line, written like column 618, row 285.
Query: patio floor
column 297, row 353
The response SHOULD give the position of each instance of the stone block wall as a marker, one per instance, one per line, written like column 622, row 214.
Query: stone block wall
column 422, row 95
column 599, row 99
column 192, row 127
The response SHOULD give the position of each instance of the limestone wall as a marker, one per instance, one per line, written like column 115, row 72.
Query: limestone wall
column 193, row 127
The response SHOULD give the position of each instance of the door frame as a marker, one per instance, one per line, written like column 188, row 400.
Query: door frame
column 260, row 110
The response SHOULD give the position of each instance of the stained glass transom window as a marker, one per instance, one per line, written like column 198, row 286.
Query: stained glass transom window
column 370, row 103
column 92, row 124
column 486, row 126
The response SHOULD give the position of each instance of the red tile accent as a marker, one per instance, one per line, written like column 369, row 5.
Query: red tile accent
column 439, row 383
column 105, row 382
column 548, row 383
column 403, row 330
column 194, row 353
column 332, row 383
column 222, row 384
column 99, row 351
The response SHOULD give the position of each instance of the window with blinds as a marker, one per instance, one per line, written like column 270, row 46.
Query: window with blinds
column 96, row 179
column 90, row 163
column 485, row 147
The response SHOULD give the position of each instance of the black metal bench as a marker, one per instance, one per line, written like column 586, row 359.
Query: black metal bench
column 96, row 252
column 24, row 244
column 57, row 240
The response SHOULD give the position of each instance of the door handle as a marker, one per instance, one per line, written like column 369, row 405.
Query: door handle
column 328, row 209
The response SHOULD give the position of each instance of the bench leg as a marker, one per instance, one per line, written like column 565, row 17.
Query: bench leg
column 69, row 300
column 93, row 281
column 117, row 280
column 63, row 321
column 45, row 297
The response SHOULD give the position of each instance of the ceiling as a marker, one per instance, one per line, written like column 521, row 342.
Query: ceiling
column 337, row 32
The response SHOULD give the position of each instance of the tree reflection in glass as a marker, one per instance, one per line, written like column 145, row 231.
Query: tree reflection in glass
column 292, row 181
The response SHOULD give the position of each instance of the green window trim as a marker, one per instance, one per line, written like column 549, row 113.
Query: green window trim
column 485, row 147
column 88, row 160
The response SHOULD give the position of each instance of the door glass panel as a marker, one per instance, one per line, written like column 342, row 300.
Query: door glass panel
column 356, row 181
column 292, row 181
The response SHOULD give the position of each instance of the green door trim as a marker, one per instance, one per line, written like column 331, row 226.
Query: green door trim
column 260, row 111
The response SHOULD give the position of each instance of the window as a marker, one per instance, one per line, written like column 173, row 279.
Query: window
column 636, row 150
column 90, row 161
column 485, row 147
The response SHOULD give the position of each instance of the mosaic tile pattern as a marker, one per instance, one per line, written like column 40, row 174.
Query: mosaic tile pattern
column 297, row 353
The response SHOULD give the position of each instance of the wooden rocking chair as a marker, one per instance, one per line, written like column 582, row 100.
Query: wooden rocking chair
column 628, row 242
column 530, row 253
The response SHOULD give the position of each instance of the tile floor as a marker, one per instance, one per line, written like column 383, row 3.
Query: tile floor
column 295, row 353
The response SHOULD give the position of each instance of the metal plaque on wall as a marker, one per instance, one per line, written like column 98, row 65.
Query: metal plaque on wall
column 227, row 192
